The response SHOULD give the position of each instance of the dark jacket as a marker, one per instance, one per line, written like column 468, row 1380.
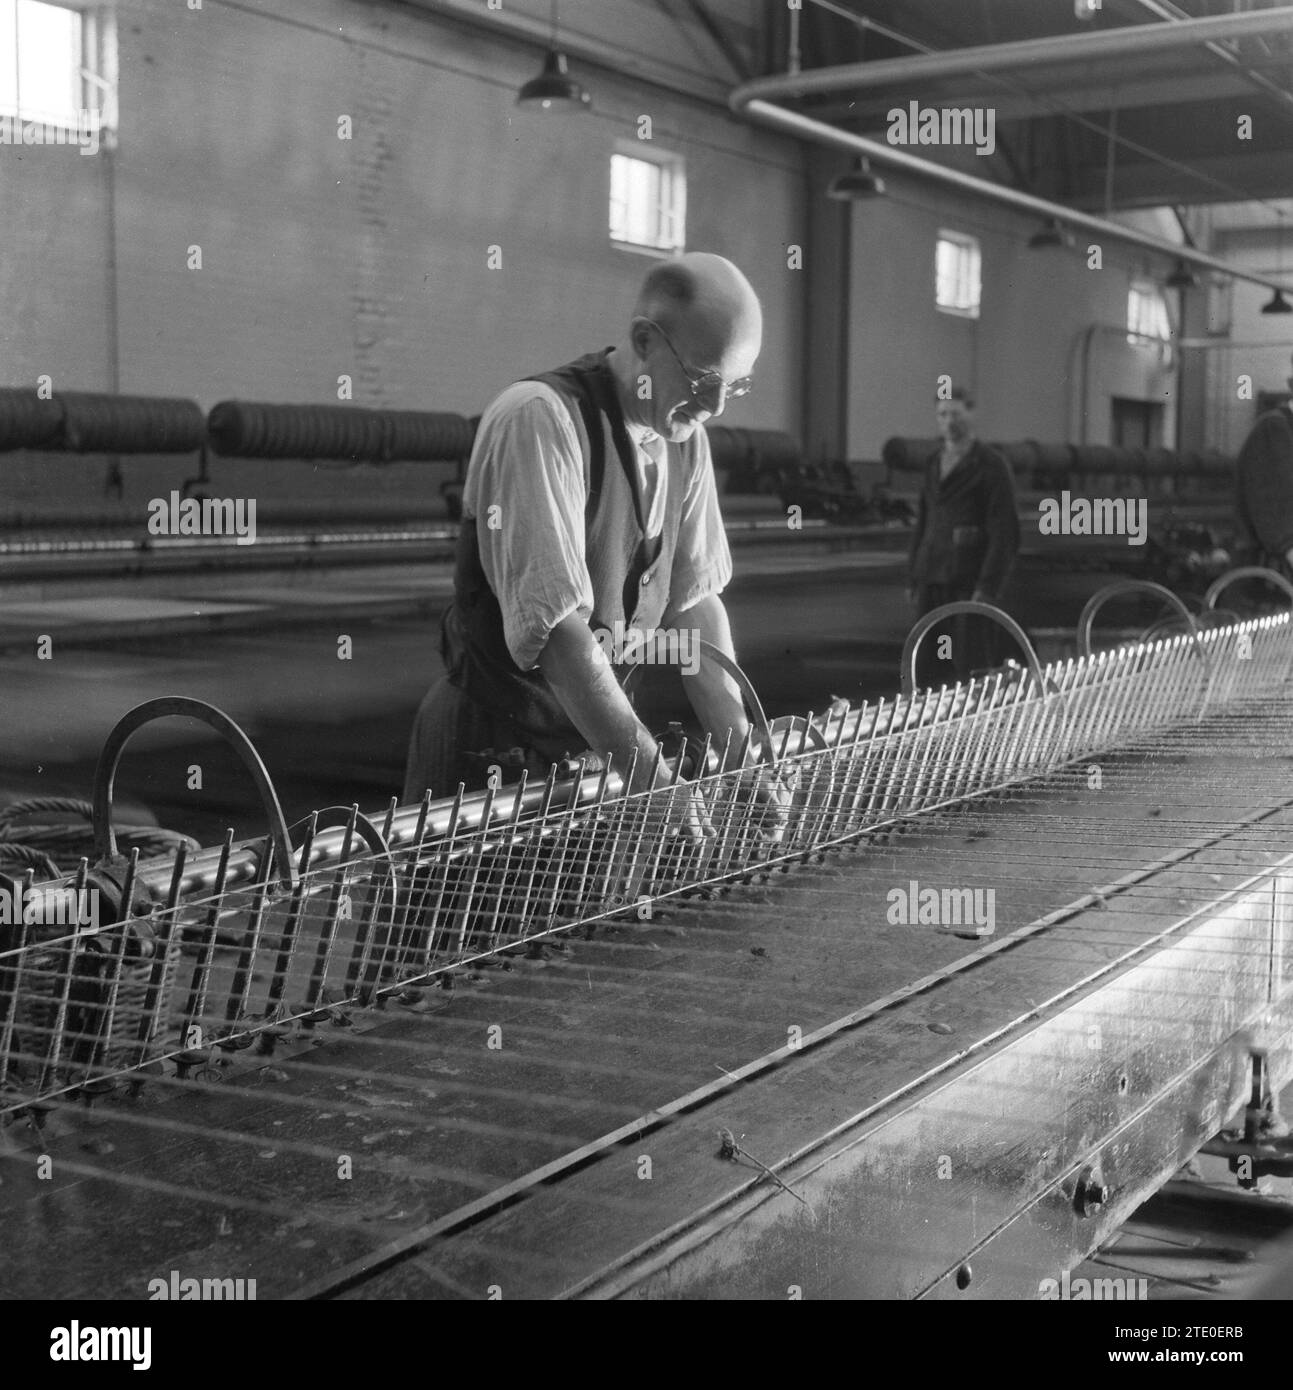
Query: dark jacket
column 1264, row 474
column 967, row 527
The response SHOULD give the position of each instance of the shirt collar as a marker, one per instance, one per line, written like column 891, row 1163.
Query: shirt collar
column 646, row 439
column 962, row 458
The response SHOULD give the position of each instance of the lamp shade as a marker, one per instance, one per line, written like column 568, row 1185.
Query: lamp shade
column 1181, row 278
column 1051, row 235
column 859, row 182
column 554, row 88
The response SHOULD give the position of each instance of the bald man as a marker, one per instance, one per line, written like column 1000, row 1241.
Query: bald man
column 590, row 508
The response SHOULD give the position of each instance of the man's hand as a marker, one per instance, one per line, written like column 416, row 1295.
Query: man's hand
column 671, row 821
column 677, row 808
column 772, row 791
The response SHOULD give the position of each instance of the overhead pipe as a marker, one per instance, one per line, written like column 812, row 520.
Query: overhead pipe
column 1023, row 53
column 749, row 100
column 1054, row 107
column 806, row 128
column 1164, row 9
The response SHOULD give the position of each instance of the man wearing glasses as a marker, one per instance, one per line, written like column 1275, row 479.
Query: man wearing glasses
column 589, row 502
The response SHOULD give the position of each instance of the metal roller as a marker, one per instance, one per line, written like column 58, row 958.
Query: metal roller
column 250, row 429
column 26, row 421
column 82, row 422
column 99, row 424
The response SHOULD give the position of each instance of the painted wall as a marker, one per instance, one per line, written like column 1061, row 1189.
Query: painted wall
column 367, row 257
column 1041, row 357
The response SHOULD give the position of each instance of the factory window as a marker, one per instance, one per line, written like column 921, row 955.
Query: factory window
column 41, row 69
column 1147, row 315
column 648, row 201
column 957, row 267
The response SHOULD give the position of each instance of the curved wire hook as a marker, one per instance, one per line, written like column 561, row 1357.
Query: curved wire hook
column 922, row 626
column 105, row 838
column 1086, row 622
column 744, row 684
column 1223, row 582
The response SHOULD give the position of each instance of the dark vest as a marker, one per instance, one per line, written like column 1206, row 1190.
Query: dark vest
column 472, row 642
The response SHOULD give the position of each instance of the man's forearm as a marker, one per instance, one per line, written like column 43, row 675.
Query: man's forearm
column 583, row 682
column 712, row 693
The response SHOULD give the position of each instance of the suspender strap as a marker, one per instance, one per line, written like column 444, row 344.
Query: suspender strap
column 592, row 386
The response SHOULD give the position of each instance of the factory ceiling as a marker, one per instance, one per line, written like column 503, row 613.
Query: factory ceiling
column 1119, row 131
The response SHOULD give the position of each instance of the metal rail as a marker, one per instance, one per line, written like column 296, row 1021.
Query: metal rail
column 110, row 973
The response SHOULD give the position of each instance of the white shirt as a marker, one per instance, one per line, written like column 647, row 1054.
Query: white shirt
column 528, row 461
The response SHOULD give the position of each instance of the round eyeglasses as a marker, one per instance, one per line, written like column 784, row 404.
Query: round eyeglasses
column 706, row 383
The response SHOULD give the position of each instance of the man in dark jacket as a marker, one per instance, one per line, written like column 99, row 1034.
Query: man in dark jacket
column 1265, row 486
column 967, row 535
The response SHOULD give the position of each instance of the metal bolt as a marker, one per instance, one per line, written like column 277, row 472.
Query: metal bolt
column 1091, row 1192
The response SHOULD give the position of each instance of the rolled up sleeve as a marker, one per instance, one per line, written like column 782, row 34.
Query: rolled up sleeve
column 702, row 562
column 525, row 494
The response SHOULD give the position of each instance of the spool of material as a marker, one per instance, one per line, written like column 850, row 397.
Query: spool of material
column 27, row 422
column 251, row 429
column 905, row 455
column 758, row 450
column 1053, row 459
column 100, row 424
column 81, row 422
column 423, row 434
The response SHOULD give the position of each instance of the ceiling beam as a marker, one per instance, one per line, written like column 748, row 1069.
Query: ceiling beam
column 1276, row 95
column 1023, row 54
column 722, row 41
column 1141, row 184
column 1055, row 99
column 473, row 14
column 793, row 123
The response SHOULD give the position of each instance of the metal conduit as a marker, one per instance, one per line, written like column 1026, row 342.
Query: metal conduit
column 1024, row 53
column 750, row 100
column 792, row 123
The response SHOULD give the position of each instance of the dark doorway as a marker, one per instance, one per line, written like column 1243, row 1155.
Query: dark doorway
column 1137, row 424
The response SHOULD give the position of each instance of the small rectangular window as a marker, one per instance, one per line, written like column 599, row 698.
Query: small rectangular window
column 1147, row 315
column 957, row 274
column 649, row 201
column 41, row 61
